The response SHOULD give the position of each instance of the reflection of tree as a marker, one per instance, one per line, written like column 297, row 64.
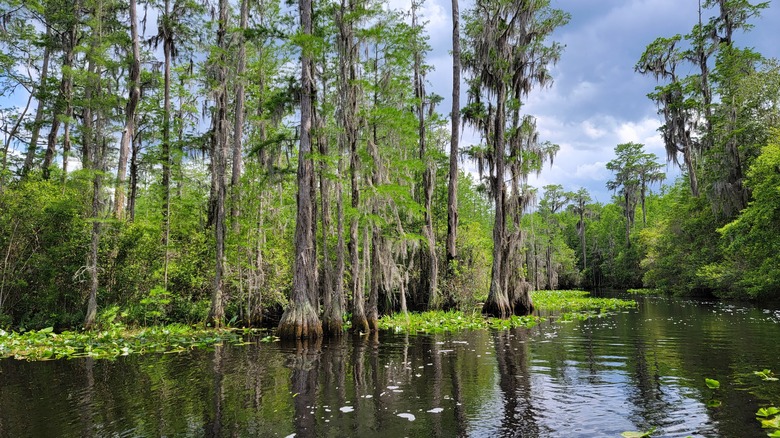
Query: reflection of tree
column 457, row 395
column 87, row 401
column 213, row 425
column 647, row 394
column 305, row 364
column 515, row 383
column 334, row 370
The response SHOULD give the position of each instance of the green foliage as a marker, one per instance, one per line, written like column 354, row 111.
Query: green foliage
column 567, row 305
column 766, row 375
column 712, row 383
column 630, row 434
column 752, row 241
column 42, row 239
column 680, row 243
column 111, row 342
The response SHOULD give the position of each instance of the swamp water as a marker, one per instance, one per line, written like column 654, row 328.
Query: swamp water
column 628, row 371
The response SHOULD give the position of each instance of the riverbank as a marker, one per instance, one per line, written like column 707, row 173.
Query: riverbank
column 118, row 340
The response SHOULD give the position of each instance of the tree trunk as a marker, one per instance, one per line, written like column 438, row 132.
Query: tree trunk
column 32, row 148
column 219, row 167
column 9, row 137
column 165, row 158
column 132, row 104
column 133, row 177
column 452, row 188
column 235, row 175
column 300, row 319
column 497, row 303
column 95, row 144
column 332, row 319
column 66, row 94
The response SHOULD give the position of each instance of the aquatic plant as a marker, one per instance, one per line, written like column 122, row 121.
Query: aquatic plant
column 568, row 305
column 630, row 434
column 116, row 341
column 766, row 375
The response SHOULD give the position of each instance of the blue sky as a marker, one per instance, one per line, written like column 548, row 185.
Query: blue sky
column 597, row 100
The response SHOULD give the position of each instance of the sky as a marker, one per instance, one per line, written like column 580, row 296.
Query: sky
column 597, row 101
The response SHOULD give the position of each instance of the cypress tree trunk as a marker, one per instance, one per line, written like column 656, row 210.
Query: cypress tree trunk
column 300, row 319
column 452, row 188
column 235, row 176
column 497, row 303
column 132, row 104
column 429, row 273
column 219, row 165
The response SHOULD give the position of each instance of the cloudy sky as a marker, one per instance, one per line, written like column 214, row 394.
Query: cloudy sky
column 597, row 100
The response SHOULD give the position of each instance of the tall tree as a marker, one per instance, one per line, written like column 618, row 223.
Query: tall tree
column 580, row 201
column 219, row 152
column 132, row 103
column 300, row 319
column 507, row 56
column 452, row 188
column 429, row 273
column 238, row 125
column 634, row 170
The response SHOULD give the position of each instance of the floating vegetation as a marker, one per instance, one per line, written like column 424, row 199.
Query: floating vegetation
column 766, row 375
column 644, row 291
column 569, row 306
column 712, row 383
column 631, row 434
column 117, row 341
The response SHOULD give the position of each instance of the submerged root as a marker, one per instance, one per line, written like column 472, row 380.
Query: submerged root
column 299, row 321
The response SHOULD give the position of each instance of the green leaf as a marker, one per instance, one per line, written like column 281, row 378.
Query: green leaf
column 46, row 330
column 772, row 423
column 712, row 383
column 630, row 434
column 767, row 412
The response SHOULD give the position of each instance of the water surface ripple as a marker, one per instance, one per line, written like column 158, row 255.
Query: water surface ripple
column 629, row 371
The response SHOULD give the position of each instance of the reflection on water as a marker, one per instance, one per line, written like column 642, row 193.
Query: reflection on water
column 631, row 371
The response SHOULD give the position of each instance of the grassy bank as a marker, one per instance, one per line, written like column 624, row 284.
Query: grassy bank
column 119, row 340
column 565, row 305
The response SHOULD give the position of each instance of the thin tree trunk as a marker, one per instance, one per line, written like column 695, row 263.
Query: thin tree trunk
column 133, row 177
column 452, row 188
column 10, row 136
column 165, row 157
column 94, row 145
column 32, row 148
column 359, row 322
column 219, row 165
column 300, row 319
column 235, row 176
column 430, row 268
column 66, row 94
column 132, row 104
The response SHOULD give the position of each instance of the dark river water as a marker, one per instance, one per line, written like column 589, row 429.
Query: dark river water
column 625, row 372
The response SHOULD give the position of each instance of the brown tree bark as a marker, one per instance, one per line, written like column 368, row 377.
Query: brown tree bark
column 452, row 188
column 235, row 175
column 219, row 167
column 132, row 104
column 300, row 319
